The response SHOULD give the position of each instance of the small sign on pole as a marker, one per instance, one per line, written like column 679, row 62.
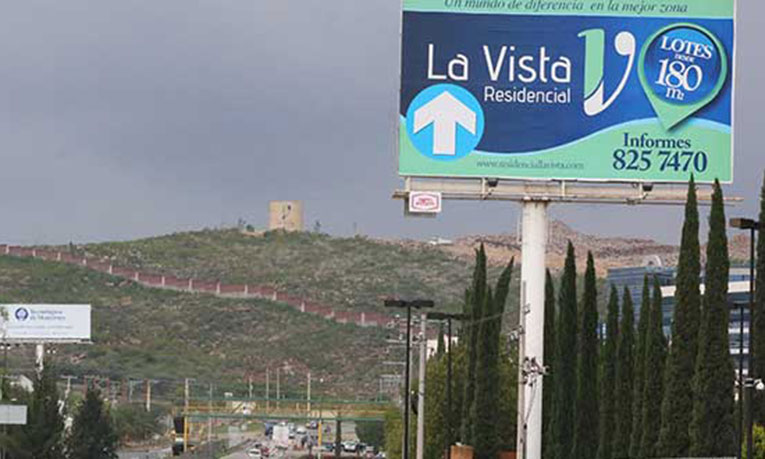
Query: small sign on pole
column 13, row 415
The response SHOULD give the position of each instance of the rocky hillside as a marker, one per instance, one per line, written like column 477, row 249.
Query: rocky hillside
column 609, row 252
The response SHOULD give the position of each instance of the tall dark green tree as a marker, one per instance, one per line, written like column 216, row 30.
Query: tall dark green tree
column 548, row 390
column 42, row 436
column 758, row 317
column 473, row 305
column 486, row 440
column 625, row 370
column 677, row 406
column 639, row 360
column 565, row 361
column 712, row 429
column 653, row 376
column 93, row 435
column 608, row 379
column 587, row 408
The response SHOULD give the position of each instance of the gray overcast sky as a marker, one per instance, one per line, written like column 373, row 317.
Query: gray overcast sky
column 121, row 119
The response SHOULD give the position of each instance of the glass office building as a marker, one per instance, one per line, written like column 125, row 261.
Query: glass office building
column 738, row 294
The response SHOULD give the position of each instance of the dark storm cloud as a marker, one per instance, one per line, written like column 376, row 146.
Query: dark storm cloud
column 123, row 119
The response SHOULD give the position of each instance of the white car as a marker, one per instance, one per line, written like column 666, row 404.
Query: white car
column 254, row 453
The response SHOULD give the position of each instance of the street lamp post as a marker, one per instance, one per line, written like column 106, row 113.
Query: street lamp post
column 417, row 304
column 448, row 318
column 753, row 226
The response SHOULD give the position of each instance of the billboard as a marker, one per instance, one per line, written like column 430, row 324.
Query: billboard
column 45, row 322
column 606, row 90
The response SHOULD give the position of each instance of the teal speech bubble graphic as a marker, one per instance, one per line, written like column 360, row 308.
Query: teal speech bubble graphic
column 682, row 68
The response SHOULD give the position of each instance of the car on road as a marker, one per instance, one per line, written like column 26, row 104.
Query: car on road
column 313, row 425
column 254, row 453
column 350, row 446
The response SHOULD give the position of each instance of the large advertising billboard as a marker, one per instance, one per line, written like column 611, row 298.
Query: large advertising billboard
column 615, row 90
column 45, row 322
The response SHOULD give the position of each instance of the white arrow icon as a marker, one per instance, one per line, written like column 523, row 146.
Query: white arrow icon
column 445, row 112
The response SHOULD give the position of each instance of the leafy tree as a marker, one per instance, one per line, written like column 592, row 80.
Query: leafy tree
column 639, row 360
column 436, row 408
column 339, row 434
column 371, row 432
column 586, row 428
column 608, row 379
column 93, row 435
column 565, row 361
column 549, row 355
column 394, row 431
column 625, row 369
column 677, row 406
column 653, row 375
column 42, row 436
column 134, row 424
column 759, row 443
column 757, row 348
column 712, row 429
column 473, row 309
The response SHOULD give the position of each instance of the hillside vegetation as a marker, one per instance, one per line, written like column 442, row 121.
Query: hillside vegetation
column 341, row 272
column 148, row 333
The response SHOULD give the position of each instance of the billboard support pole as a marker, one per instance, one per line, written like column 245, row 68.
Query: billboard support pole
column 532, row 352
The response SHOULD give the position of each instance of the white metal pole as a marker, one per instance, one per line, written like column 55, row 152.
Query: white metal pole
column 40, row 357
column 533, row 278
column 421, row 391
column 308, row 395
column 148, row 395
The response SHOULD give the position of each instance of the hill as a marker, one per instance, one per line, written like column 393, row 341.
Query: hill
column 353, row 273
column 140, row 332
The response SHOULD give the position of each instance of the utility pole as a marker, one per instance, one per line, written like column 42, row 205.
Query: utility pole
column 148, row 395
column 249, row 383
column 449, row 439
column 278, row 395
column 308, row 395
column 268, row 376
column 186, row 393
column 421, row 391
column 417, row 304
column 210, row 421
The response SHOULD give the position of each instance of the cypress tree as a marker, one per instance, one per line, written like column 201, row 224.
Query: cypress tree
column 653, row 375
column 565, row 361
column 93, row 435
column 484, row 433
column 625, row 370
column 548, row 390
column 484, row 409
column 608, row 379
column 757, row 348
column 639, row 361
column 475, row 305
column 712, row 428
column 586, row 428
column 677, row 405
